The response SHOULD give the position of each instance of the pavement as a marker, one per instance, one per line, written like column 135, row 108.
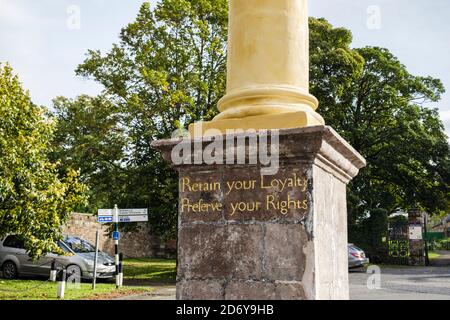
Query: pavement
column 166, row 292
column 392, row 283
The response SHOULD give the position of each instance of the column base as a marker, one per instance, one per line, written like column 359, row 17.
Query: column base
column 288, row 120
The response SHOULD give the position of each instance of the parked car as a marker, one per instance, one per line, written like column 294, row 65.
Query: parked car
column 78, row 259
column 356, row 257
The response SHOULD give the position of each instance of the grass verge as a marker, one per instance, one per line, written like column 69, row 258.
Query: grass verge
column 139, row 275
column 433, row 255
column 149, row 271
column 45, row 290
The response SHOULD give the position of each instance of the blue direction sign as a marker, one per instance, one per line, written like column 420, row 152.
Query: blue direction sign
column 125, row 215
column 133, row 215
column 104, row 219
column 116, row 235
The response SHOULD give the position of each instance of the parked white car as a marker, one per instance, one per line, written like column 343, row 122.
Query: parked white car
column 356, row 257
column 78, row 261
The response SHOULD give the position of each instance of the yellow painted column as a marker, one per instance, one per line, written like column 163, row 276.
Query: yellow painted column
column 267, row 69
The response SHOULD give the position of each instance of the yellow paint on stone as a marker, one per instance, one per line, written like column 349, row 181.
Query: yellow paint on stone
column 267, row 69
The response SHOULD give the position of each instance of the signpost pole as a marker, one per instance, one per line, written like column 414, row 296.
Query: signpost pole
column 116, row 244
column 120, row 269
column 115, row 216
column 53, row 271
column 425, row 228
column 61, row 283
column 94, row 278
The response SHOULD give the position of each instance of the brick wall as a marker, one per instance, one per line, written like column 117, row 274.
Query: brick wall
column 136, row 244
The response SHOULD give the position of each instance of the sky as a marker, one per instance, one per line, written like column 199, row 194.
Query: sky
column 45, row 40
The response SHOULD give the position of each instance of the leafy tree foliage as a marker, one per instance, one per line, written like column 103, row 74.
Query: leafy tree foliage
column 371, row 99
column 168, row 70
column 34, row 199
column 372, row 235
column 91, row 138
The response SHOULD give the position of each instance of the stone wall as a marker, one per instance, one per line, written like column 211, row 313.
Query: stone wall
column 137, row 244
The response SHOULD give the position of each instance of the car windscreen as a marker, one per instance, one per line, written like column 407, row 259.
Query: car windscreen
column 79, row 245
column 63, row 247
column 355, row 248
column 13, row 241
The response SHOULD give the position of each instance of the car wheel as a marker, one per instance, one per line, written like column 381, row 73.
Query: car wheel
column 9, row 270
column 73, row 273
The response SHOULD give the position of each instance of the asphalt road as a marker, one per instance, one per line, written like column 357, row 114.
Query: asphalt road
column 395, row 283
column 402, row 283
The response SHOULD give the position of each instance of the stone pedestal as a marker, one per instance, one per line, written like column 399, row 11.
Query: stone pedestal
column 244, row 235
column 415, row 236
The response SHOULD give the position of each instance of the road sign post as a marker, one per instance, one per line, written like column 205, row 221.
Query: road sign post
column 94, row 278
column 53, row 271
column 61, row 287
column 124, row 215
column 116, row 244
column 121, row 269
column 116, row 216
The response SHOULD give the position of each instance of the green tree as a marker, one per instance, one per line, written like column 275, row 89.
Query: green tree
column 34, row 199
column 168, row 70
column 374, row 230
column 371, row 99
column 91, row 138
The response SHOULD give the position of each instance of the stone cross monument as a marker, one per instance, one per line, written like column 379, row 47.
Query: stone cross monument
column 262, row 211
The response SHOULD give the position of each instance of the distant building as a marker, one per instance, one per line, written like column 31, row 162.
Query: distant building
column 443, row 226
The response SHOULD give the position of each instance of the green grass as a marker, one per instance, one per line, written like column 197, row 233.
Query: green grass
column 139, row 275
column 433, row 255
column 150, row 270
column 46, row 290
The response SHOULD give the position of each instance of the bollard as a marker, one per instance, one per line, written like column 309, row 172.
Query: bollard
column 53, row 271
column 116, row 244
column 120, row 269
column 61, row 284
column 117, row 266
column 94, row 277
